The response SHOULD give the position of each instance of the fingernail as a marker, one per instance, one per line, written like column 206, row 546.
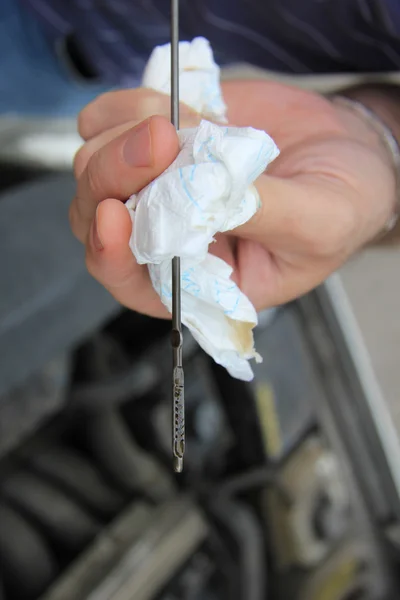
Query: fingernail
column 137, row 149
column 97, row 243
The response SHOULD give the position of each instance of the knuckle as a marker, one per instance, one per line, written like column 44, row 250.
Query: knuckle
column 82, row 123
column 87, row 119
column 81, row 159
column 149, row 102
column 75, row 221
column 90, row 115
column 95, row 176
column 339, row 235
column 192, row 120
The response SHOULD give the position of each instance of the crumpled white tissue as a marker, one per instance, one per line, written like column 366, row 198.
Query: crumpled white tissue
column 208, row 189
column 199, row 77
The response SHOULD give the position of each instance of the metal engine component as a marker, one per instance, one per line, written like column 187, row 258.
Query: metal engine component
column 27, row 564
column 137, row 556
column 344, row 576
column 319, row 512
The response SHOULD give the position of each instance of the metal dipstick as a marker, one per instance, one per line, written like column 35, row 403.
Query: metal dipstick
column 178, row 407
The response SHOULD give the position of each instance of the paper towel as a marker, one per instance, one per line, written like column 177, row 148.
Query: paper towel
column 199, row 77
column 208, row 189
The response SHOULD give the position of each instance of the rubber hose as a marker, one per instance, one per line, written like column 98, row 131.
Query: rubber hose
column 251, row 480
column 68, row 526
column 244, row 528
column 225, row 564
column 78, row 477
column 27, row 564
column 99, row 357
column 130, row 466
column 131, row 382
column 135, row 382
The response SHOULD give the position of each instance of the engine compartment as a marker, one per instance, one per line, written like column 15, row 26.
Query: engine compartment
column 266, row 507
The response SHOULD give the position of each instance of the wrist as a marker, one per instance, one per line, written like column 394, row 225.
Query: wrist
column 383, row 100
column 366, row 117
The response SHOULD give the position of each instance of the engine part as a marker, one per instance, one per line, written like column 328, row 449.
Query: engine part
column 297, row 507
column 66, row 524
column 136, row 381
column 100, row 356
column 2, row 596
column 197, row 581
column 137, row 557
column 258, row 478
column 131, row 467
column 345, row 576
column 87, row 572
column 108, row 371
column 105, row 374
column 178, row 528
column 305, row 530
column 285, row 390
column 244, row 425
column 243, row 528
column 74, row 474
column 27, row 564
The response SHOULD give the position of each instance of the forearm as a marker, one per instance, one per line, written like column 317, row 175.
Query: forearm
column 384, row 101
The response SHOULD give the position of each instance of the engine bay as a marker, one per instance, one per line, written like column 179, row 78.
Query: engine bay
column 273, row 501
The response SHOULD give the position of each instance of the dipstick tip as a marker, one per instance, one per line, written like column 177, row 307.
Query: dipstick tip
column 178, row 464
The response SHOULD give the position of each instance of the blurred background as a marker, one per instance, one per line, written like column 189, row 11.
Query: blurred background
column 291, row 484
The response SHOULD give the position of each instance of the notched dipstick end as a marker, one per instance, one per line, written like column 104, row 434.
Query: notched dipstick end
column 176, row 339
column 178, row 421
column 178, row 464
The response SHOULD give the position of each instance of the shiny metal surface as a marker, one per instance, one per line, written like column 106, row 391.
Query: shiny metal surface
column 178, row 419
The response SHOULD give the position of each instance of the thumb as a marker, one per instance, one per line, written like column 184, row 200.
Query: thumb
column 122, row 167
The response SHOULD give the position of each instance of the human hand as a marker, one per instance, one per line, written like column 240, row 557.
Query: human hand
column 331, row 190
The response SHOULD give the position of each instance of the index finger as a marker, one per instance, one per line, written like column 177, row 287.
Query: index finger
column 115, row 108
column 122, row 167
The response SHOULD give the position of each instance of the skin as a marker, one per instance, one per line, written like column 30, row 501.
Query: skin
column 329, row 193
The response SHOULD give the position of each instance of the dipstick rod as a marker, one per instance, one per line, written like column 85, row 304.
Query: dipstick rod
column 178, row 411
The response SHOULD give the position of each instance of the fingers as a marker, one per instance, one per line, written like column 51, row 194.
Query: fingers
column 308, row 225
column 122, row 167
column 272, row 280
column 110, row 260
column 310, row 207
column 94, row 144
column 324, row 205
column 86, row 152
column 270, row 103
column 110, row 168
column 115, row 108
column 298, row 216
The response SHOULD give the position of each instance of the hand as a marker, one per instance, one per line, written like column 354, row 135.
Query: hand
column 330, row 192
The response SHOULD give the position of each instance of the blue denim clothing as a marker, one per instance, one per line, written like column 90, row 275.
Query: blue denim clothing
column 115, row 37
column 33, row 81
